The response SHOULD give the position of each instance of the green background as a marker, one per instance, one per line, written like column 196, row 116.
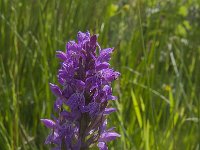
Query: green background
column 157, row 51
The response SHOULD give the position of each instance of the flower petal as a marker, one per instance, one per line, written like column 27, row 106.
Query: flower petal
column 48, row 123
column 57, row 104
column 102, row 146
column 52, row 138
column 111, row 97
column 71, row 46
column 83, row 37
column 93, row 41
column 109, row 74
column 109, row 111
column 105, row 55
column 101, row 66
column 61, row 55
column 67, row 91
column 92, row 108
column 108, row 136
column 55, row 89
column 80, row 85
column 76, row 100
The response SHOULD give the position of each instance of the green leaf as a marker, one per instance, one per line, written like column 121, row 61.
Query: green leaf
column 137, row 109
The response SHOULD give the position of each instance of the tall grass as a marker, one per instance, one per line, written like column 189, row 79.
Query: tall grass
column 157, row 52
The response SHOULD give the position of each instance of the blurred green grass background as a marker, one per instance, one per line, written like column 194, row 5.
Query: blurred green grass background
column 157, row 51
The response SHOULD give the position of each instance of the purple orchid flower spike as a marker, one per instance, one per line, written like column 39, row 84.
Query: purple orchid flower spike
column 82, row 99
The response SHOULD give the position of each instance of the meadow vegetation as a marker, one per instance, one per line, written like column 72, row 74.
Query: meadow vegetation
column 157, row 51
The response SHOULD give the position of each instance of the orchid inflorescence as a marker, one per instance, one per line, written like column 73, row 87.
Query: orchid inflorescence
column 82, row 102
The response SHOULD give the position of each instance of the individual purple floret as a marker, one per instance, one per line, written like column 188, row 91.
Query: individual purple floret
column 82, row 102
